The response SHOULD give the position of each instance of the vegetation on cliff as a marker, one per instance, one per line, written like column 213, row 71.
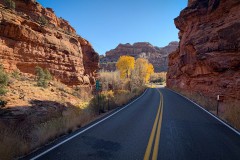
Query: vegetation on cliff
column 3, row 81
column 43, row 77
column 32, row 35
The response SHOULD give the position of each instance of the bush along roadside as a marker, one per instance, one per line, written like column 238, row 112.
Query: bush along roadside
column 107, row 100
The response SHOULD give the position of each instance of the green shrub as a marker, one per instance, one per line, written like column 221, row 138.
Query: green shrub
column 10, row 4
column 16, row 74
column 48, row 75
column 42, row 20
column 43, row 77
column 3, row 81
column 40, row 77
column 102, row 102
column 97, row 103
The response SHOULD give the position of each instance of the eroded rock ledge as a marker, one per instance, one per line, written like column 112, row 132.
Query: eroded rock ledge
column 32, row 35
column 208, row 57
column 156, row 55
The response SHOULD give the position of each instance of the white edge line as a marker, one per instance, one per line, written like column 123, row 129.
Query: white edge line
column 57, row 145
column 230, row 127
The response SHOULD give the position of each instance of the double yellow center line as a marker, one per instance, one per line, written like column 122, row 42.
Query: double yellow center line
column 156, row 130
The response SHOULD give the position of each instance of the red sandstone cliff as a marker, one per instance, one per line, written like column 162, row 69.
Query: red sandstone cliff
column 156, row 55
column 32, row 35
column 208, row 58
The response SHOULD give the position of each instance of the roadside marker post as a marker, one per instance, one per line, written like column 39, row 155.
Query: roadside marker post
column 98, row 103
column 219, row 99
column 97, row 85
column 98, row 88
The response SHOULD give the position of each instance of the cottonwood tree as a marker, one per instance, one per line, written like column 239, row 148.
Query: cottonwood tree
column 125, row 65
column 150, row 71
column 141, row 72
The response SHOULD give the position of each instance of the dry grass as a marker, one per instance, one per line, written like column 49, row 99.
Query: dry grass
column 112, row 78
column 113, row 99
column 20, row 140
column 71, row 120
column 229, row 110
column 232, row 113
column 123, row 96
column 11, row 143
column 208, row 103
column 82, row 92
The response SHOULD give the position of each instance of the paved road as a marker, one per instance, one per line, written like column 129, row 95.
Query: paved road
column 159, row 125
column 189, row 133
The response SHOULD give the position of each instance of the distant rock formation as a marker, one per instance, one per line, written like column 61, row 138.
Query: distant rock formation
column 156, row 55
column 208, row 58
column 31, row 35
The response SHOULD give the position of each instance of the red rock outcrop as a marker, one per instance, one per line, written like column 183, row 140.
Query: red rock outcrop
column 156, row 55
column 208, row 57
column 31, row 35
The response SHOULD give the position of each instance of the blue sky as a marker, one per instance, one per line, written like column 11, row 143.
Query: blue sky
column 106, row 23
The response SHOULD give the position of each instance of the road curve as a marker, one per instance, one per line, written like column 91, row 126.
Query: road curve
column 159, row 125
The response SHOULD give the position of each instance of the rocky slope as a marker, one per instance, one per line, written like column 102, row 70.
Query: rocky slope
column 31, row 35
column 156, row 55
column 208, row 58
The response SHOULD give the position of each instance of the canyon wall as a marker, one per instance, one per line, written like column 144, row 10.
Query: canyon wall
column 156, row 55
column 208, row 58
column 31, row 35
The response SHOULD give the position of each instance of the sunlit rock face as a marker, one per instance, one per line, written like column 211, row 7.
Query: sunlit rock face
column 156, row 55
column 208, row 57
column 32, row 35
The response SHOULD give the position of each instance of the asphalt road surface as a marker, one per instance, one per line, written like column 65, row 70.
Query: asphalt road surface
column 158, row 125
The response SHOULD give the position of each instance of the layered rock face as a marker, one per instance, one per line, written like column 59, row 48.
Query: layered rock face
column 208, row 58
column 32, row 35
column 156, row 55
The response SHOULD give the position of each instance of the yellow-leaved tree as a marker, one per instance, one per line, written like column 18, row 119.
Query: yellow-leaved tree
column 142, row 72
column 141, row 67
column 125, row 65
column 150, row 71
